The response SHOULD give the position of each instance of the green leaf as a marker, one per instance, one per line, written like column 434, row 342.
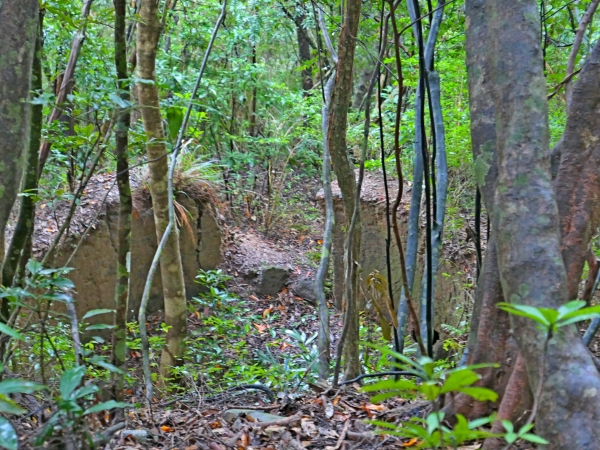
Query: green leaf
column 174, row 120
column 100, row 326
column 99, row 361
column 577, row 316
column 525, row 311
column 96, row 312
column 86, row 390
column 63, row 283
column 8, row 406
column 534, row 438
column 117, row 100
column 570, row 307
column 18, row 385
column 480, row 422
column 458, row 380
column 33, row 266
column 396, row 385
column 5, row 329
column 105, row 406
column 508, row 426
column 8, row 436
column 69, row 381
column 480, row 394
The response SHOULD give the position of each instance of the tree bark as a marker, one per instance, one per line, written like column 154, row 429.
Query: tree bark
column 577, row 183
column 18, row 22
column 303, row 50
column 170, row 261
column 24, row 228
column 528, row 238
column 344, row 172
column 125, row 203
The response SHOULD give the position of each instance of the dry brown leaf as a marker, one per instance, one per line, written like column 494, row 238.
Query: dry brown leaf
column 260, row 327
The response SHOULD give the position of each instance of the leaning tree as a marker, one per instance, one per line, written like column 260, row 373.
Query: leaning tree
column 544, row 211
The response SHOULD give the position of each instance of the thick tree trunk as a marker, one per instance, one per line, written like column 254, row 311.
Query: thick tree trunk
column 24, row 228
column 577, row 183
column 344, row 171
column 125, row 202
column 18, row 22
column 528, row 238
column 170, row 262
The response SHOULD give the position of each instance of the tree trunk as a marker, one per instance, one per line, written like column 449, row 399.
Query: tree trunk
column 344, row 171
column 577, row 183
column 170, row 261
column 18, row 22
column 528, row 238
column 303, row 50
column 575, row 188
column 125, row 202
column 24, row 228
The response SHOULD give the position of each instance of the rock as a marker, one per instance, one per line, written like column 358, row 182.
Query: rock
column 272, row 280
column 139, row 435
column 305, row 288
column 257, row 416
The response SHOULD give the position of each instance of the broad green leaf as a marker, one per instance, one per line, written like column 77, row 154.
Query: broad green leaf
column 430, row 390
column 459, row 379
column 5, row 329
column 174, row 120
column 18, row 385
column 534, row 438
column 86, row 390
column 577, row 316
column 8, row 406
column 69, row 381
column 106, row 406
column 8, row 436
column 480, row 394
column 63, row 283
column 525, row 311
column 33, row 266
column 570, row 307
column 508, row 426
column 480, row 422
column 433, row 421
column 99, row 361
column 550, row 314
column 117, row 100
column 96, row 312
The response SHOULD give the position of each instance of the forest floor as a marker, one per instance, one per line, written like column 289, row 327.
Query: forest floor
column 220, row 408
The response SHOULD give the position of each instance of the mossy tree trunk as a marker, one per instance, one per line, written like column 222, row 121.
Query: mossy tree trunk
column 125, row 202
column 19, row 248
column 538, row 263
column 170, row 261
column 18, row 22
column 344, row 171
